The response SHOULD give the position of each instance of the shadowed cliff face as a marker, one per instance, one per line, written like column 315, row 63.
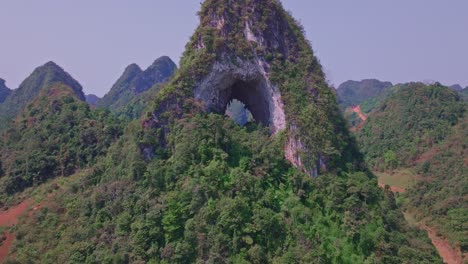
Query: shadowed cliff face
column 4, row 91
column 255, row 52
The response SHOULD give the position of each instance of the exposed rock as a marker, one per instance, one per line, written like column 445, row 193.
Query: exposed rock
column 253, row 51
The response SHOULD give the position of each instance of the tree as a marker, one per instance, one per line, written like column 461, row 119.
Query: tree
column 391, row 161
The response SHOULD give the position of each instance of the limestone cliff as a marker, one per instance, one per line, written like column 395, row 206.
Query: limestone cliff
column 255, row 52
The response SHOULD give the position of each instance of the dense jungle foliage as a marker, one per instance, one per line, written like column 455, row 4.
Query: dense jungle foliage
column 222, row 194
column 180, row 185
column 42, row 77
column 56, row 135
column 424, row 128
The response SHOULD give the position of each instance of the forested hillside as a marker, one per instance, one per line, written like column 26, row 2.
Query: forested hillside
column 183, row 183
column 4, row 91
column 424, row 128
column 134, row 81
column 55, row 135
column 351, row 93
column 42, row 77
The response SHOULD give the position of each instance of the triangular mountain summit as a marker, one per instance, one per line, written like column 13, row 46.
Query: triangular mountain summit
column 255, row 52
column 42, row 77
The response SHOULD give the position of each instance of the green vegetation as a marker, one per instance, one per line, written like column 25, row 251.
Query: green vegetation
column 421, row 117
column 184, row 186
column 222, row 194
column 440, row 199
column 423, row 129
column 42, row 77
column 55, row 135
column 351, row 93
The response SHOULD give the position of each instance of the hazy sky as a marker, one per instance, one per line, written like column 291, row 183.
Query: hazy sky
column 394, row 40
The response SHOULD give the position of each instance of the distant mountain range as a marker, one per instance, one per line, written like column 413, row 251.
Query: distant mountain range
column 135, row 81
column 351, row 93
column 92, row 99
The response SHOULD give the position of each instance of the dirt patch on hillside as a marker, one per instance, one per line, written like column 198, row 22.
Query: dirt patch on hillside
column 448, row 254
column 394, row 189
column 10, row 218
column 357, row 109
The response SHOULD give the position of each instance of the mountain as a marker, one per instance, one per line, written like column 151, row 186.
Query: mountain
column 42, row 77
column 134, row 81
column 55, row 135
column 4, row 91
column 352, row 93
column 410, row 121
column 185, row 184
column 422, row 130
column 92, row 99
column 456, row 87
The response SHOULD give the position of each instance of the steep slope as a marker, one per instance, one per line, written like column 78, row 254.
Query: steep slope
column 424, row 129
column 352, row 93
column 409, row 122
column 42, row 77
column 186, row 185
column 439, row 199
column 55, row 135
column 4, row 91
column 134, row 81
column 92, row 99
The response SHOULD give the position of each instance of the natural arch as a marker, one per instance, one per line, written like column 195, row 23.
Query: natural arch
column 248, row 85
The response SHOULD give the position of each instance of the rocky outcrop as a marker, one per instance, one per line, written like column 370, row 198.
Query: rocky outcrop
column 248, row 83
column 255, row 52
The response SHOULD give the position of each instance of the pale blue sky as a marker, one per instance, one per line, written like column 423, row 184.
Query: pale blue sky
column 94, row 40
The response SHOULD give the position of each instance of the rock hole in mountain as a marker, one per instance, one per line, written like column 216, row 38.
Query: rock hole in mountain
column 252, row 97
column 239, row 113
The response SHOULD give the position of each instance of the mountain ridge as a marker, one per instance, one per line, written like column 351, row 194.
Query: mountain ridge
column 42, row 77
column 135, row 81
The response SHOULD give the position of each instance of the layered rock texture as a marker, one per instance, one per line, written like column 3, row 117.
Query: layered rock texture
column 134, row 81
column 255, row 52
column 4, row 91
column 42, row 77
